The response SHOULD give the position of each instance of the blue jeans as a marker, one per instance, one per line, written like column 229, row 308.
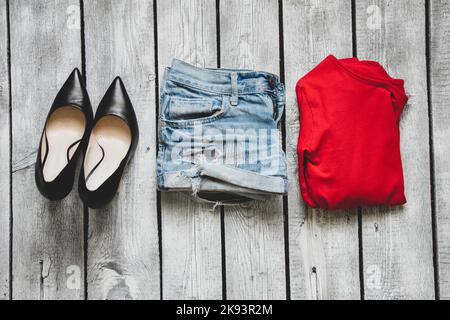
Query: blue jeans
column 218, row 134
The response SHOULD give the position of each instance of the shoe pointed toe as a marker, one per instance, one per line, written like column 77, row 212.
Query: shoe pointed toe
column 73, row 92
column 116, row 101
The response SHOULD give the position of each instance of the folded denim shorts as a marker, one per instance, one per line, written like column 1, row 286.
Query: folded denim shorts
column 218, row 134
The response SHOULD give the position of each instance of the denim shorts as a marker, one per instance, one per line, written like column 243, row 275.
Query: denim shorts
column 219, row 136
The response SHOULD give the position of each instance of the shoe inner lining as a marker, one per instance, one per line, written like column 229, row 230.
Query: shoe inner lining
column 109, row 143
column 61, row 138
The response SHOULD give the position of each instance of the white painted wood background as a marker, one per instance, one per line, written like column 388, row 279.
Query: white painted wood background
column 147, row 245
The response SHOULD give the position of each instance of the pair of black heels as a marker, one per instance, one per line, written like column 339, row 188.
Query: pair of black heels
column 106, row 143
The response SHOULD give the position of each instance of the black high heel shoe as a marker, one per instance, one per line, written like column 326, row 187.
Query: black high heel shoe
column 67, row 125
column 112, row 143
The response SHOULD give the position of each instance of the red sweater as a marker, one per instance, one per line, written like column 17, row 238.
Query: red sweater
column 349, row 143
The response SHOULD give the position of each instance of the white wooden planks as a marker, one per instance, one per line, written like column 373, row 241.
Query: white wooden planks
column 47, row 236
column 440, row 101
column 397, row 242
column 254, row 236
column 123, row 255
column 191, row 234
column 4, row 156
column 323, row 246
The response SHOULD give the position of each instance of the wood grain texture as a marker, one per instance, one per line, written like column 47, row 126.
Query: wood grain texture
column 397, row 242
column 440, row 101
column 4, row 156
column 323, row 246
column 47, row 236
column 254, row 235
column 123, row 246
column 191, row 237
column 123, row 254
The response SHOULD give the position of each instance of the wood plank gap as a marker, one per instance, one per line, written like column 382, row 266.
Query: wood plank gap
column 431, row 142
column 83, row 43
column 85, row 208
column 360, row 236
column 8, row 30
column 361, row 255
column 354, row 34
column 286, row 245
column 158, row 193
column 222, row 210
column 218, row 33
column 224, row 262
column 86, row 243
column 283, row 142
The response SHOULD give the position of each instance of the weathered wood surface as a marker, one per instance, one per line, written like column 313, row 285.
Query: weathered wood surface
column 123, row 244
column 397, row 242
column 47, row 236
column 123, row 259
column 440, row 102
column 254, row 235
column 191, row 233
column 4, row 156
column 323, row 246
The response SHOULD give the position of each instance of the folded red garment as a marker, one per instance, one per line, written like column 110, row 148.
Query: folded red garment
column 349, row 142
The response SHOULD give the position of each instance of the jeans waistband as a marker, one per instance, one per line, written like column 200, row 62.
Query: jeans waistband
column 225, row 81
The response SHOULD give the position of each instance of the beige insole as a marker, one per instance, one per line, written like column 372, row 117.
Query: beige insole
column 64, row 128
column 109, row 143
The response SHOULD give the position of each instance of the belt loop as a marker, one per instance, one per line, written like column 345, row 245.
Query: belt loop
column 234, row 89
